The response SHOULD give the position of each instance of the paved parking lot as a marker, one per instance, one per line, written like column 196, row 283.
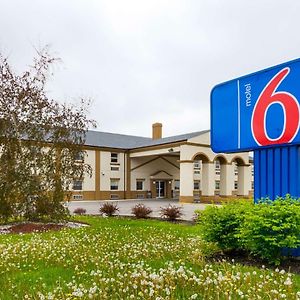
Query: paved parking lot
column 92, row 207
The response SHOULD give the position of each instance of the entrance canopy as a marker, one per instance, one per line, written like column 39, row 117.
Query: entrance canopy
column 183, row 168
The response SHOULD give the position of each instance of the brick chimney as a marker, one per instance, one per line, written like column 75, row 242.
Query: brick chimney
column 156, row 131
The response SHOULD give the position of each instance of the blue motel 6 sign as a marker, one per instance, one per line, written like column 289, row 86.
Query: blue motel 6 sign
column 260, row 112
column 257, row 110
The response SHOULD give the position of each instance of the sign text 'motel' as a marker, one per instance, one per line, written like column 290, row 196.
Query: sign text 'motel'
column 257, row 110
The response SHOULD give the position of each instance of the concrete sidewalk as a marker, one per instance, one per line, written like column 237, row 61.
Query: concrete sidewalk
column 125, row 206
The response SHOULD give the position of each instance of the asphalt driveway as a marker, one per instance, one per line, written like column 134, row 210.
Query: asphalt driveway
column 92, row 207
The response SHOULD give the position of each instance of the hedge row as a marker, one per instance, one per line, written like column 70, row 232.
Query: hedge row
column 265, row 229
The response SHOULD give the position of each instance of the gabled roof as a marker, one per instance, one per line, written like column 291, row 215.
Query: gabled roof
column 123, row 141
column 160, row 171
column 114, row 140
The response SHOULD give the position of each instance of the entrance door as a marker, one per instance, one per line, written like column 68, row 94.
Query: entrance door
column 160, row 189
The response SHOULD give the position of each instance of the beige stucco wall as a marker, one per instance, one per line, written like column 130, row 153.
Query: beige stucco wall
column 201, row 139
column 187, row 152
column 89, row 182
column 105, row 170
column 208, row 176
column 145, row 171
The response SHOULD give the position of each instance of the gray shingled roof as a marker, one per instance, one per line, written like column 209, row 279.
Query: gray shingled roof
column 122, row 141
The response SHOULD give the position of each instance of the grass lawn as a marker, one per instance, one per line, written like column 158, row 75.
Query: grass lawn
column 118, row 258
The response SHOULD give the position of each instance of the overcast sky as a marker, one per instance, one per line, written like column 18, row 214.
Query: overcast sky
column 149, row 61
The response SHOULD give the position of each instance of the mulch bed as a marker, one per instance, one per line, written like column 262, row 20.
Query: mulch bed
column 30, row 227
column 34, row 227
column 289, row 265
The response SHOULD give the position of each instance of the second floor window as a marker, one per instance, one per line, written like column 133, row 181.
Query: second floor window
column 236, row 169
column 79, row 156
column 77, row 185
column 217, row 167
column 197, row 167
column 217, row 184
column 114, row 157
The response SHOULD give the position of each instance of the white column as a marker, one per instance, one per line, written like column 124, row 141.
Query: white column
column 186, row 181
column 244, row 180
column 226, row 179
column 208, row 179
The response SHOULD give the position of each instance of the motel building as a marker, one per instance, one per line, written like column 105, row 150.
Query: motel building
column 180, row 167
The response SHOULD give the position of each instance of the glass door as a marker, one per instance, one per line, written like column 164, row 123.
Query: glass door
column 160, row 189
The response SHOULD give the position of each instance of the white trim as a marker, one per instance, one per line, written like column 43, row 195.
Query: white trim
column 239, row 114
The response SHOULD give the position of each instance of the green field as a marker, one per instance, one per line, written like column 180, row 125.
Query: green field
column 118, row 258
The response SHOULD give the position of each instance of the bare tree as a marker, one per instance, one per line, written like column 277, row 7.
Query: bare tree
column 40, row 140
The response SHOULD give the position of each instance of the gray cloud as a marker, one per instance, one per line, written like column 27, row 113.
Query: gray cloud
column 146, row 61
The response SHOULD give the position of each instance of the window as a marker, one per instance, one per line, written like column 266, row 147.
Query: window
column 77, row 185
column 177, row 185
column 140, row 184
column 217, row 167
column 114, row 184
column 252, row 170
column 252, row 185
column 196, row 185
column 79, row 156
column 114, row 157
column 236, row 170
column 114, row 168
column 197, row 167
column 235, row 185
column 217, row 184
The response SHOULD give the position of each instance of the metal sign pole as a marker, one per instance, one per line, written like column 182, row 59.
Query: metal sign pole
column 276, row 172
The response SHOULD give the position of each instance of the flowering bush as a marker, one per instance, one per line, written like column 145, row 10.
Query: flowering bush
column 109, row 209
column 141, row 211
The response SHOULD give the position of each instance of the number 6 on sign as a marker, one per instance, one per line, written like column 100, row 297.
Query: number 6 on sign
column 290, row 108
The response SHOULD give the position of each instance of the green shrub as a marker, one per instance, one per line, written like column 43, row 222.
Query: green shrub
column 269, row 227
column 221, row 224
